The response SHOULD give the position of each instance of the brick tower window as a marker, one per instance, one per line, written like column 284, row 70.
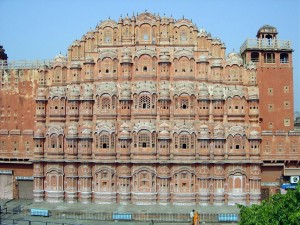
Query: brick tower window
column 284, row 58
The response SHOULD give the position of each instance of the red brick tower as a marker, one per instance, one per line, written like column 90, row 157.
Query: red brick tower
column 273, row 59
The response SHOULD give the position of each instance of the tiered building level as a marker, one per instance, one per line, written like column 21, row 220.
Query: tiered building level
column 150, row 110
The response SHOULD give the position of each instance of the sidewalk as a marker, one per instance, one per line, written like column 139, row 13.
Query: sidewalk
column 92, row 213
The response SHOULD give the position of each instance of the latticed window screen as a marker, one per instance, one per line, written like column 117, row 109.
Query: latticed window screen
column 107, row 36
column 144, row 140
column 104, row 141
column 105, row 103
column 203, row 144
column 144, row 102
column 183, row 35
column 184, row 103
column 53, row 141
column 184, row 141
column 238, row 142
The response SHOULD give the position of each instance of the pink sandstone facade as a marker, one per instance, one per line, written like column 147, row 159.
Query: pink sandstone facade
column 150, row 110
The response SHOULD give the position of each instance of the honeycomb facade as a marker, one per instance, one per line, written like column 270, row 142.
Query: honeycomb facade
column 150, row 110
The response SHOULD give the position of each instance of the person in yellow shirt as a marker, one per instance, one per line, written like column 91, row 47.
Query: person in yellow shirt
column 196, row 218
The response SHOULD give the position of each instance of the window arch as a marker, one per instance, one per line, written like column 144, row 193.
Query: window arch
column 184, row 141
column 108, row 36
column 145, row 64
column 184, row 103
column 55, row 141
column 57, row 74
column 144, row 102
column 183, row 34
column 236, row 142
column 269, row 57
column 254, row 56
column 284, row 58
column 144, row 139
column 103, row 141
column 105, row 103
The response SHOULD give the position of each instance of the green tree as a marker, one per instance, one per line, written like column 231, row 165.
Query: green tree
column 281, row 209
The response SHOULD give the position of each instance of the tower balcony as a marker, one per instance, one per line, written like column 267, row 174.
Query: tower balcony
column 265, row 43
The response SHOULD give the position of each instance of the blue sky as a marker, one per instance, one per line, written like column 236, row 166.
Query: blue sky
column 40, row 29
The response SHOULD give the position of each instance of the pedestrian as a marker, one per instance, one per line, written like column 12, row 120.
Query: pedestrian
column 192, row 216
column 196, row 218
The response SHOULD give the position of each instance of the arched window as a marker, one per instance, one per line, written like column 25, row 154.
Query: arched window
column 107, row 66
column 284, row 58
column 269, row 57
column 105, row 103
column 238, row 142
column 254, row 56
column 104, row 141
column 184, row 141
column 144, row 140
column 57, row 74
column 107, row 36
column 145, row 33
column 184, row 103
column 144, row 102
column 183, row 35
column 53, row 141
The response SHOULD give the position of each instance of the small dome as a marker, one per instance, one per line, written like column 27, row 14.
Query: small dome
column 251, row 66
column 74, row 93
column 72, row 130
column 204, row 132
column 267, row 29
column 125, row 95
column 87, row 92
column 216, row 63
column 89, row 60
column 39, row 133
column 164, row 94
column 41, row 94
column 254, row 135
column 76, row 43
column 75, row 65
column 126, row 59
column 120, row 20
column 202, row 33
column 43, row 67
column 60, row 58
column 218, row 93
column 86, row 130
column 126, row 20
column 203, row 92
column 164, row 134
column 164, row 58
column 219, row 132
column 124, row 135
column 203, row 58
column 234, row 58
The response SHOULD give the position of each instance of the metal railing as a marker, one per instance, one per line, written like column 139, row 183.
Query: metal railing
column 265, row 44
column 36, row 222
column 24, row 64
